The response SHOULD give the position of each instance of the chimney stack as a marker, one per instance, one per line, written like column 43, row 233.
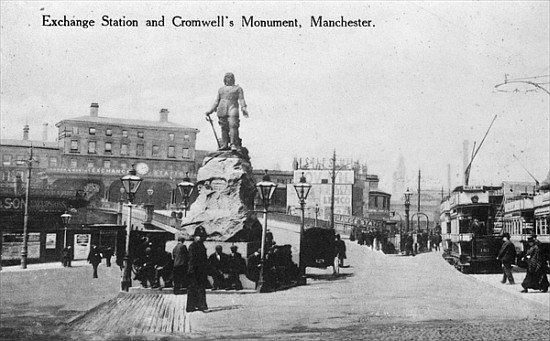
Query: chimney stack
column 44, row 131
column 94, row 109
column 164, row 115
column 26, row 132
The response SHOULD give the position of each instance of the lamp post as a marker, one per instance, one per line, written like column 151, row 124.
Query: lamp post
column 186, row 188
column 66, row 217
column 130, row 183
column 407, row 194
column 265, row 188
column 302, row 190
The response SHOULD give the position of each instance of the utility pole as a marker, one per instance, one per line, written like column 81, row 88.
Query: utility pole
column 333, row 176
column 24, row 249
column 418, row 206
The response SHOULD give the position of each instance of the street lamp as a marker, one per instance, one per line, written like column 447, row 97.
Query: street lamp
column 66, row 217
column 302, row 190
column 407, row 194
column 130, row 183
column 186, row 188
column 265, row 188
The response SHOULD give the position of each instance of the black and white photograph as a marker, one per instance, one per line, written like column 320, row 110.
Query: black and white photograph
column 274, row 170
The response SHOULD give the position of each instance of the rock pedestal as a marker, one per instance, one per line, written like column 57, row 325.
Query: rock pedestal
column 225, row 203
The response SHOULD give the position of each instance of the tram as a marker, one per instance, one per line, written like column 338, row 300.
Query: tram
column 527, row 214
column 468, row 219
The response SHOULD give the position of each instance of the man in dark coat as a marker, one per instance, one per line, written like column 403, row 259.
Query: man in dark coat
column 197, row 273
column 340, row 250
column 217, row 263
column 181, row 258
column 94, row 258
column 535, row 278
column 235, row 266
column 507, row 256
column 163, row 268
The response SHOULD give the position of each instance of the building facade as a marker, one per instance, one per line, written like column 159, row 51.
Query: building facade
column 80, row 173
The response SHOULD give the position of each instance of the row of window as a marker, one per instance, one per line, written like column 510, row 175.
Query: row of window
column 20, row 160
column 125, row 149
column 519, row 226
column 74, row 131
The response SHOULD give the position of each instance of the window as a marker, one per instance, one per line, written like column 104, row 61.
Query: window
column 108, row 132
column 186, row 137
column 74, row 145
column 73, row 163
column 66, row 133
column 156, row 150
column 108, row 147
column 124, row 165
column 139, row 150
column 91, row 147
column 75, row 130
column 185, row 152
column 6, row 160
column 171, row 151
column 106, row 163
column 140, row 134
column 124, row 149
column 171, row 137
column 20, row 160
column 90, row 163
column 5, row 176
column 92, row 131
column 53, row 162
column 125, row 133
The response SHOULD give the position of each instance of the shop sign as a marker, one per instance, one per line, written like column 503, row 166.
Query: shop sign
column 10, row 203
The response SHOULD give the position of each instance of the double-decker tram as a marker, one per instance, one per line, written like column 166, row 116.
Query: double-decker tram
column 468, row 217
column 528, row 214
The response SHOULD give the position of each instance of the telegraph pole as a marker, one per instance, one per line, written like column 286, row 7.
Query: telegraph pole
column 418, row 206
column 24, row 249
column 333, row 176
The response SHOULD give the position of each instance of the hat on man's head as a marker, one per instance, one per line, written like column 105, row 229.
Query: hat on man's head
column 218, row 247
column 530, row 239
column 200, row 232
column 234, row 247
column 506, row 234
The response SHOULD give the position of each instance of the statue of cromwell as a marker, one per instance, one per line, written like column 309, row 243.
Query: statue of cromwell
column 230, row 97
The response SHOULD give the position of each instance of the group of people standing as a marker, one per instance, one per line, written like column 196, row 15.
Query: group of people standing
column 535, row 259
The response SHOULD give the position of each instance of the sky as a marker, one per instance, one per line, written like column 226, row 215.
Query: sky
column 416, row 84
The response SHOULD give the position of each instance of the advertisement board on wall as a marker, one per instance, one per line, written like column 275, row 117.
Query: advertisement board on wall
column 82, row 245
column 321, row 192
column 12, row 243
column 51, row 239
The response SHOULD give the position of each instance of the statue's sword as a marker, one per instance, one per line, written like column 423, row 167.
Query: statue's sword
column 214, row 130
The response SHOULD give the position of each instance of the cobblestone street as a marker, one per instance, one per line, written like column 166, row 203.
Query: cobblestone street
column 382, row 297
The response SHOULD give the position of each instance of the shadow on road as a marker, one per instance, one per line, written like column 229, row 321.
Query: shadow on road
column 328, row 277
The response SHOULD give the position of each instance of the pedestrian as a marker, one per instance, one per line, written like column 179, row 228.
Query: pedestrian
column 409, row 245
column 507, row 256
column 217, row 264
column 340, row 250
column 197, row 273
column 108, row 253
column 163, row 264
column 65, row 257
column 535, row 277
column 254, row 265
column 94, row 258
column 181, row 259
column 70, row 256
column 236, row 266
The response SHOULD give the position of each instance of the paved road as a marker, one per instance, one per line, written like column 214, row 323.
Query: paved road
column 379, row 297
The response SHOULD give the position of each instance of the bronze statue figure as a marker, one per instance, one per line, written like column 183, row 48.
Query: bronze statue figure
column 226, row 105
